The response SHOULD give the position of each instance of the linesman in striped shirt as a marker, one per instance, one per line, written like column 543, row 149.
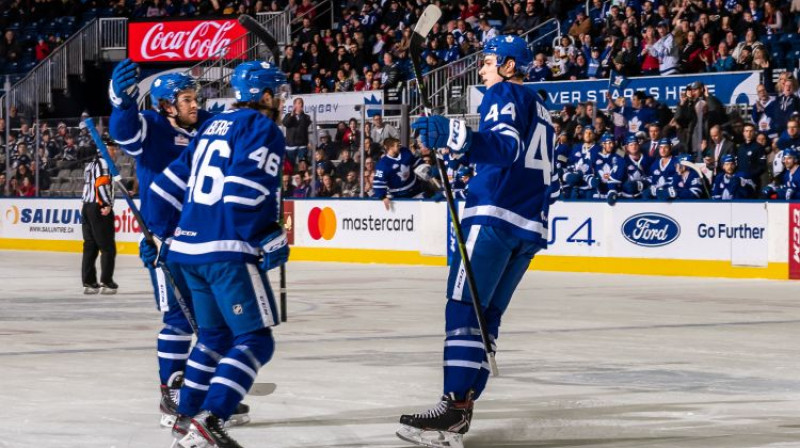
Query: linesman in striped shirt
column 97, row 223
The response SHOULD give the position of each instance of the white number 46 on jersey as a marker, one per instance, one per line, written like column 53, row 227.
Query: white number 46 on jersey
column 267, row 161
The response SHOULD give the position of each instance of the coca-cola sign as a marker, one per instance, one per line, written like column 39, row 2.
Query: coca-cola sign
column 185, row 40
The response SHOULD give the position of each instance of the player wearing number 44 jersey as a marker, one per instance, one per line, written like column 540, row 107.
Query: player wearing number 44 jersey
column 220, row 200
column 505, row 222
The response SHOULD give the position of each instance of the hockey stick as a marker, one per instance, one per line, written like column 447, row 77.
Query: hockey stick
column 148, row 236
column 261, row 33
column 427, row 20
column 703, row 178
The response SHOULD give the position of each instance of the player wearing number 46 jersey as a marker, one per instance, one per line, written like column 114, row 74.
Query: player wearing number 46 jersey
column 505, row 223
column 220, row 200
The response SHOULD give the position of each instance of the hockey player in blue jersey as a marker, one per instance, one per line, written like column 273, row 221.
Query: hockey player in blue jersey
column 788, row 185
column 155, row 138
column 577, row 170
column 601, row 165
column 220, row 200
column 461, row 182
column 504, row 221
column 395, row 174
column 729, row 184
column 685, row 183
column 633, row 170
column 661, row 171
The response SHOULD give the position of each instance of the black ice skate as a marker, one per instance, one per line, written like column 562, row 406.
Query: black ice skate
column 170, row 397
column 441, row 427
column 109, row 288
column 241, row 416
column 91, row 288
column 207, row 431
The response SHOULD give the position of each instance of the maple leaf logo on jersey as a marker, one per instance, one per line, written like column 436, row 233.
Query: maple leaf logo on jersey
column 405, row 171
column 635, row 124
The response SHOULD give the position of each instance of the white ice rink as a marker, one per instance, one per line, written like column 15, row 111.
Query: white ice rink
column 585, row 360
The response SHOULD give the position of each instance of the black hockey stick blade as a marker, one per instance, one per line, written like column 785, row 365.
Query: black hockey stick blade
column 262, row 389
column 261, row 33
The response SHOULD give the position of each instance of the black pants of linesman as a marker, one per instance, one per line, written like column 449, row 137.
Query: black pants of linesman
column 98, row 236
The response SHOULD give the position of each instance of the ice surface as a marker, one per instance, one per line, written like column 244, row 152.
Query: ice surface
column 585, row 360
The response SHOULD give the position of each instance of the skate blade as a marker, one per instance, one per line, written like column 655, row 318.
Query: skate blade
column 238, row 420
column 168, row 420
column 194, row 440
column 108, row 291
column 431, row 439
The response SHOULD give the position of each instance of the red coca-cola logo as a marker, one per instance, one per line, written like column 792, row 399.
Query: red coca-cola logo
column 185, row 40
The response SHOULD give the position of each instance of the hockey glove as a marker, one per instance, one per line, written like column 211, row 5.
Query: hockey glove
column 148, row 253
column 123, row 88
column 276, row 250
column 437, row 132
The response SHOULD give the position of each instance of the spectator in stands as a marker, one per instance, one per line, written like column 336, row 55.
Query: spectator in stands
column 329, row 188
column 390, row 73
column 10, row 48
column 301, row 186
column 3, row 186
column 382, row 130
column 14, row 119
column 764, row 112
column 788, row 104
column 22, row 156
column 290, row 62
column 350, row 185
column 25, row 188
column 649, row 61
column 346, row 164
column 723, row 62
column 665, row 50
column 539, row 70
column 297, row 123
column 42, row 48
column 69, row 154
column 372, row 150
column 690, row 55
column 625, row 62
column 581, row 26
column 351, row 136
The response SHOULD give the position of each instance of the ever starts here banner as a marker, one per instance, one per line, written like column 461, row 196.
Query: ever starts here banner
column 730, row 88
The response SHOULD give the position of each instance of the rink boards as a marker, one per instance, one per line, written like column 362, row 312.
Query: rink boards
column 711, row 239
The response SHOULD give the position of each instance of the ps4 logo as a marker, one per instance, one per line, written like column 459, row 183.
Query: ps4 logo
column 651, row 229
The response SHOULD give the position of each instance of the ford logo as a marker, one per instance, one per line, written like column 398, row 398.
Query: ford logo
column 651, row 229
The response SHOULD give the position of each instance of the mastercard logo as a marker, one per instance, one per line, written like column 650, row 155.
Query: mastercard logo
column 322, row 223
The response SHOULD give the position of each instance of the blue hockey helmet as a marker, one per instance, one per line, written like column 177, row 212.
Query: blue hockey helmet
column 728, row 158
column 607, row 138
column 464, row 171
column 790, row 152
column 514, row 47
column 685, row 157
column 665, row 141
column 631, row 139
column 250, row 80
column 167, row 87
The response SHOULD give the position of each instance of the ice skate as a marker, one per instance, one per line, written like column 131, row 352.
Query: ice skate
column 180, row 429
column 108, row 288
column 241, row 416
column 91, row 288
column 443, row 426
column 170, row 397
column 207, row 431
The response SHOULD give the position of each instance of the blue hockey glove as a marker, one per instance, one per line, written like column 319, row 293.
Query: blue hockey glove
column 572, row 179
column 123, row 88
column 612, row 197
column 148, row 253
column 593, row 181
column 437, row 132
column 276, row 250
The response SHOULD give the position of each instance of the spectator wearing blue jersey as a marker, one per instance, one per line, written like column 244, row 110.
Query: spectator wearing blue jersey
column 765, row 110
column 220, row 201
column 504, row 221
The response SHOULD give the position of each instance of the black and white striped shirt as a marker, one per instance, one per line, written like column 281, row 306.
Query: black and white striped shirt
column 97, row 185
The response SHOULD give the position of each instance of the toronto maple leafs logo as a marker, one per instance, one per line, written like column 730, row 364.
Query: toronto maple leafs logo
column 634, row 124
column 405, row 172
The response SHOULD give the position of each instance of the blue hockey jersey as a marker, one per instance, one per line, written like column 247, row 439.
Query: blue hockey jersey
column 636, row 119
column 149, row 138
column 632, row 170
column 515, row 180
column 789, row 185
column 660, row 173
column 394, row 176
column 687, row 185
column 730, row 186
column 225, row 188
